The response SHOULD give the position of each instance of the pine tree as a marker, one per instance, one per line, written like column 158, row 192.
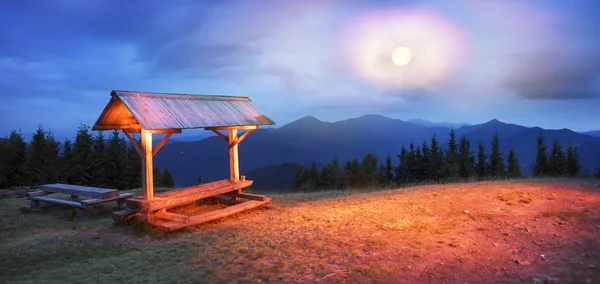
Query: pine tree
column 496, row 161
column 482, row 164
column 402, row 170
column 557, row 160
column 51, row 158
column 388, row 171
column 352, row 172
column 157, row 178
column 330, row 176
column 36, row 169
column 514, row 170
column 99, row 160
column 466, row 160
column 572, row 161
column 418, row 167
column 540, row 168
column 66, row 163
column 116, row 162
column 300, row 178
column 437, row 160
column 426, row 162
column 133, row 170
column 597, row 174
column 167, row 179
column 368, row 170
column 451, row 166
column 83, row 157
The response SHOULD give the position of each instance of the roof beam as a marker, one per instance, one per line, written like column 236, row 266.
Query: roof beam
column 117, row 127
column 220, row 134
column 241, row 127
column 162, row 142
column 239, row 139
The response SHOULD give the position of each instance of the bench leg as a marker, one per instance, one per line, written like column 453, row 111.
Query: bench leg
column 80, row 212
column 120, row 203
column 34, row 205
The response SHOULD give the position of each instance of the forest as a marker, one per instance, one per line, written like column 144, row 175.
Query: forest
column 90, row 160
column 432, row 163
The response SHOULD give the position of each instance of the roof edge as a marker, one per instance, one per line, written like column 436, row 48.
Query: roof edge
column 121, row 93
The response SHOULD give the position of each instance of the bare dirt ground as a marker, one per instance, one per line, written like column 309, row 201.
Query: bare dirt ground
column 491, row 232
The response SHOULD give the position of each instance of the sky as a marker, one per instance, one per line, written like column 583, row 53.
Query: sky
column 533, row 63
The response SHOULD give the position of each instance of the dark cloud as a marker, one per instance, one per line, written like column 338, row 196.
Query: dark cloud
column 556, row 74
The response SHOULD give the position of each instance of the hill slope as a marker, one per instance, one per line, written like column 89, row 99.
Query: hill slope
column 309, row 139
column 508, row 232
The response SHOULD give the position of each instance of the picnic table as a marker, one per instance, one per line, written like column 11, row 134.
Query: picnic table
column 91, row 195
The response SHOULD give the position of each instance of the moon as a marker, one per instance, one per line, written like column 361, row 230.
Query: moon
column 401, row 56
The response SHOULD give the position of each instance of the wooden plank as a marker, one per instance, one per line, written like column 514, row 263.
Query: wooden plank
column 193, row 189
column 122, row 215
column 93, row 192
column 147, row 178
column 234, row 168
column 247, row 196
column 36, row 193
column 163, row 214
column 241, row 127
column 116, row 126
column 210, row 216
column 94, row 201
column 184, row 197
column 58, row 201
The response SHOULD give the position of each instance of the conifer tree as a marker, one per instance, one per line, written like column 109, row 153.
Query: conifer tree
column 352, row 172
column 572, row 161
column 52, row 158
column 66, row 163
column 330, row 176
column 482, row 164
column 13, row 159
column 436, row 160
column 116, row 162
column 466, row 159
column 301, row 177
column 83, row 157
column 496, row 161
column 540, row 168
column 157, row 178
column 402, row 169
column 514, row 170
column 133, row 167
column 388, row 171
column 597, row 174
column 557, row 160
column 451, row 166
column 167, row 179
column 99, row 160
column 36, row 169
column 368, row 170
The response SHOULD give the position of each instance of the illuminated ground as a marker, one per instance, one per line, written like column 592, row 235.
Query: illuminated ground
column 487, row 232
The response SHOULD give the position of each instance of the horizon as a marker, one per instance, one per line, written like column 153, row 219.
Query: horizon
column 528, row 63
column 197, row 131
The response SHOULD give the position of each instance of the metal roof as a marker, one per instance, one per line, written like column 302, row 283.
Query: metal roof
column 135, row 110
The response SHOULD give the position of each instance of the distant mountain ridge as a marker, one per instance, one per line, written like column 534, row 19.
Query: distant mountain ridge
column 308, row 138
column 428, row 123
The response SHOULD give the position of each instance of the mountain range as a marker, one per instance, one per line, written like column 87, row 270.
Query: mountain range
column 271, row 156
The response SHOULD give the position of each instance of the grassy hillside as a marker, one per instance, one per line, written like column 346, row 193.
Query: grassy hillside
column 482, row 232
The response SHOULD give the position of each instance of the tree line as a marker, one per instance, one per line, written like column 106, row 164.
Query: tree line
column 90, row 160
column 430, row 162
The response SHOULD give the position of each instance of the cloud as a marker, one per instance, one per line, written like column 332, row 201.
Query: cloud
column 558, row 75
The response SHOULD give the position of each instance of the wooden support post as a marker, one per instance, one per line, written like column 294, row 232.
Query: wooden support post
column 234, row 169
column 147, row 178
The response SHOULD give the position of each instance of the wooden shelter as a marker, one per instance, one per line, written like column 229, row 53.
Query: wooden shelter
column 151, row 113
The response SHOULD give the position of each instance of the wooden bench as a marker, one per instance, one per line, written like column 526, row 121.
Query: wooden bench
column 94, row 196
column 156, row 209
